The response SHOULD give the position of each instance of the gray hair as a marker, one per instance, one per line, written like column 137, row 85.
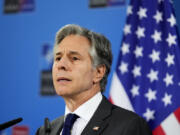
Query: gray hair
column 100, row 50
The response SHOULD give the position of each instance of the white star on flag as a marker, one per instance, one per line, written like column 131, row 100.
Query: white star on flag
column 172, row 20
column 158, row 16
column 140, row 32
column 155, row 56
column 168, row 79
column 156, row 36
column 125, row 48
column 135, row 90
column 151, row 95
column 171, row 39
column 142, row 13
column 127, row 29
column 123, row 67
column 167, row 99
column 153, row 75
column 129, row 10
column 149, row 114
column 159, row 1
column 136, row 71
column 169, row 59
column 138, row 51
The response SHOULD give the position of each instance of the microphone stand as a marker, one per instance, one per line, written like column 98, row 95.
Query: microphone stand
column 47, row 126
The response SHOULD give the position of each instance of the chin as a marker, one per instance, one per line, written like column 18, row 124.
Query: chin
column 62, row 92
column 59, row 91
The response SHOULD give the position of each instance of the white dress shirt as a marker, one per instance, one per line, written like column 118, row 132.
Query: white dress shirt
column 85, row 113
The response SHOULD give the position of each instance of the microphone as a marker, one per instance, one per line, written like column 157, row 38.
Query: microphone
column 10, row 123
column 47, row 126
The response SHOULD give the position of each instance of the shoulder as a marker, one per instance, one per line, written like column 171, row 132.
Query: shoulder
column 124, row 121
column 117, row 111
column 130, row 122
column 121, row 115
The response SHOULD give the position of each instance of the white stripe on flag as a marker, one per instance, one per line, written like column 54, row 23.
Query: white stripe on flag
column 118, row 94
column 170, row 125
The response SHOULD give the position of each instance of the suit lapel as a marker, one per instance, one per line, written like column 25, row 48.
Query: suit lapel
column 99, row 120
column 57, row 126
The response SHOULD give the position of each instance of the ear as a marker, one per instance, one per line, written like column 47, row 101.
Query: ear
column 99, row 73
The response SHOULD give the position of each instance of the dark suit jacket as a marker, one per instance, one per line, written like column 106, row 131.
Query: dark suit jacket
column 110, row 119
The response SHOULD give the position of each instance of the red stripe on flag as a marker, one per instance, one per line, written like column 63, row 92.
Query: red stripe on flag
column 177, row 114
column 158, row 131
column 110, row 99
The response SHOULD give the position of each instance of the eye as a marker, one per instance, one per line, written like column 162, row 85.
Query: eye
column 75, row 58
column 58, row 58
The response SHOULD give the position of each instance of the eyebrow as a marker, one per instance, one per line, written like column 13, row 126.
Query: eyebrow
column 58, row 53
column 71, row 53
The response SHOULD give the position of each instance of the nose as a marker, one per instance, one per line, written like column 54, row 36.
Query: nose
column 63, row 64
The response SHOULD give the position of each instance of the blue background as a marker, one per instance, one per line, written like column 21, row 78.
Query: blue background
column 22, row 36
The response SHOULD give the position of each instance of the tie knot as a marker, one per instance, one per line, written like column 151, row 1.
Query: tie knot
column 69, row 121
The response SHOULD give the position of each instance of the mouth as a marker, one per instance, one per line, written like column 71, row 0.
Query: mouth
column 63, row 79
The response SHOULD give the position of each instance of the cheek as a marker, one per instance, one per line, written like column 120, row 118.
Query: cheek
column 85, row 75
column 54, row 71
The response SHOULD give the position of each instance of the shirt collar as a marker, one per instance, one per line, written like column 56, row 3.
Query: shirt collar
column 87, row 109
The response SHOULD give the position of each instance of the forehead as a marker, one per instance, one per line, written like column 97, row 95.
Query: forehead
column 74, row 43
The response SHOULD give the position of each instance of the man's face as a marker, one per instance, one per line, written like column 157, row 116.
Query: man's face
column 73, row 72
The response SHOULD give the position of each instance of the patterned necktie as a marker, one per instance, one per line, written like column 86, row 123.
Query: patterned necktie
column 70, row 119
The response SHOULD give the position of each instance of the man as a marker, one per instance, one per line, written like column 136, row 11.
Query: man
column 82, row 62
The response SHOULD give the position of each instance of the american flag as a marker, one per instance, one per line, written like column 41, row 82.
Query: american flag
column 147, row 76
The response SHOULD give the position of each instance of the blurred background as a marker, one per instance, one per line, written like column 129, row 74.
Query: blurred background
column 27, row 33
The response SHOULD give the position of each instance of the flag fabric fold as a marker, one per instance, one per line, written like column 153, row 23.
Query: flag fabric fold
column 147, row 75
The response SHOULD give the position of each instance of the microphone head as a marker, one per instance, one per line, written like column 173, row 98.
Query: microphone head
column 10, row 123
column 18, row 119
